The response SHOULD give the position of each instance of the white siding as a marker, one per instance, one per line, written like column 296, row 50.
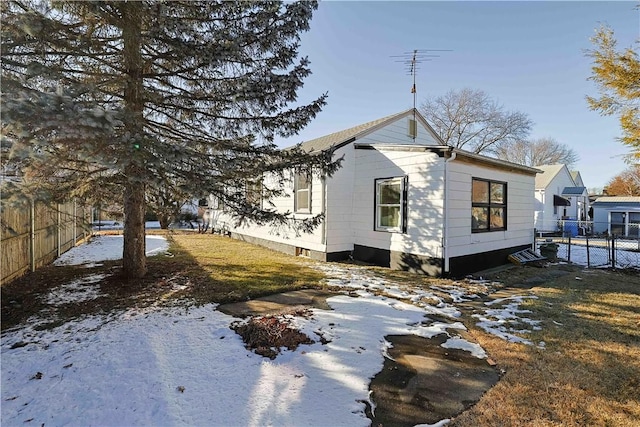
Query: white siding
column 284, row 234
column 398, row 133
column 349, row 199
column 519, row 210
column 340, row 203
column 425, row 200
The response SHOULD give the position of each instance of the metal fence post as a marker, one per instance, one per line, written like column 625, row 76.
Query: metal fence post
column 569, row 249
column 588, row 258
column 613, row 251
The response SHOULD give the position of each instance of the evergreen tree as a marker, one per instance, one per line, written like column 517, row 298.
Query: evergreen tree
column 140, row 95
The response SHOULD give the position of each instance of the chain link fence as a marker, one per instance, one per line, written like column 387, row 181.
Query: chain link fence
column 575, row 243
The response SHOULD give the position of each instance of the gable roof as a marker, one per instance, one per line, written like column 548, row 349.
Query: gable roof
column 343, row 137
column 577, row 178
column 549, row 172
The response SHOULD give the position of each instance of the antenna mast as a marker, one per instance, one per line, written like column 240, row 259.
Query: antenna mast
column 412, row 60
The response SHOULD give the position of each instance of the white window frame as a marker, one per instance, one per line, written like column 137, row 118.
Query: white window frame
column 402, row 205
column 297, row 191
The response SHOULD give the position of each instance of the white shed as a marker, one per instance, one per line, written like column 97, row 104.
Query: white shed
column 617, row 215
column 403, row 199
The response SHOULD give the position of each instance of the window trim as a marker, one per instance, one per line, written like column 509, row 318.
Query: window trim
column 490, row 205
column 297, row 190
column 404, row 185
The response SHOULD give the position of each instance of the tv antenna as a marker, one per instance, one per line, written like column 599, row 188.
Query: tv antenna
column 412, row 61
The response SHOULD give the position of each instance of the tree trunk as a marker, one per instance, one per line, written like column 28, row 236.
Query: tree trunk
column 165, row 220
column 134, row 261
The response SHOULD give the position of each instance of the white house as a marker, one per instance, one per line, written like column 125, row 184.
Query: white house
column 559, row 194
column 617, row 215
column 403, row 199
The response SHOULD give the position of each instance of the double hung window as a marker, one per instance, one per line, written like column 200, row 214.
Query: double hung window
column 390, row 210
column 302, row 190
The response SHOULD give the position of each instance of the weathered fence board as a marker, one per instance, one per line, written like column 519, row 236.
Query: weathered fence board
column 34, row 235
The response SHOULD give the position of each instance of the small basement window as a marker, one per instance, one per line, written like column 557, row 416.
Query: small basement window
column 303, row 252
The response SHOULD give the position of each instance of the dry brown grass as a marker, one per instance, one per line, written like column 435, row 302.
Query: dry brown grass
column 237, row 271
column 589, row 372
column 200, row 269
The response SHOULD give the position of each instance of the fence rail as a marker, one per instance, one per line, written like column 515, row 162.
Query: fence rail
column 35, row 234
column 593, row 251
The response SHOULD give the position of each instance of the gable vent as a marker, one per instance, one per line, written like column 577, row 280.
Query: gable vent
column 413, row 128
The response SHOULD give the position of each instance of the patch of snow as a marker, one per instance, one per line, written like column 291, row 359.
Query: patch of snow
column 84, row 289
column 498, row 321
column 457, row 294
column 462, row 344
column 107, row 247
column 440, row 423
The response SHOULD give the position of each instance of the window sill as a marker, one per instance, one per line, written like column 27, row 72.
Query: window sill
column 389, row 230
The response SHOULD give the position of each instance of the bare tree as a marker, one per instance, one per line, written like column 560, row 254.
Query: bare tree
column 469, row 119
column 542, row 151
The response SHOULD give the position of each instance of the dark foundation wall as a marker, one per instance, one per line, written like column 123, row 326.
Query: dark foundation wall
column 458, row 267
column 291, row 249
column 468, row 264
column 398, row 260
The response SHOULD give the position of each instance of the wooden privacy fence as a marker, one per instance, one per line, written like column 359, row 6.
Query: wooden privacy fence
column 35, row 234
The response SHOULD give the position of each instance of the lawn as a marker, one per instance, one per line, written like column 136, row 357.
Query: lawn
column 587, row 372
column 236, row 271
column 582, row 366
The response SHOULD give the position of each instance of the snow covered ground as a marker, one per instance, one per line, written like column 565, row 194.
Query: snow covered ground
column 599, row 255
column 185, row 366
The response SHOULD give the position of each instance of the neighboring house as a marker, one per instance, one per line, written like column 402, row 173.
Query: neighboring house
column 618, row 216
column 559, row 194
column 403, row 199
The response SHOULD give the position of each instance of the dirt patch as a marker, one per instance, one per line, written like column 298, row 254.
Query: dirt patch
column 426, row 383
column 266, row 335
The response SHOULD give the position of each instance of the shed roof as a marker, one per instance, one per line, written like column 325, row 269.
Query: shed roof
column 617, row 199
